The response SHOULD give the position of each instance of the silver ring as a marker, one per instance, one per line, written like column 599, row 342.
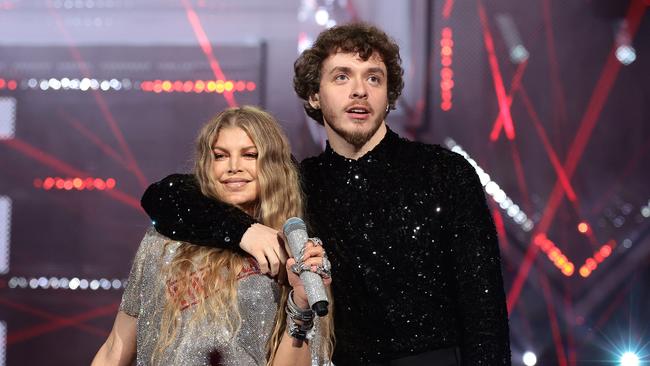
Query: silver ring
column 295, row 268
column 299, row 267
column 316, row 240
column 324, row 273
column 327, row 265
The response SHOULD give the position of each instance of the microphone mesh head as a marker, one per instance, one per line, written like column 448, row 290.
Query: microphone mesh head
column 292, row 224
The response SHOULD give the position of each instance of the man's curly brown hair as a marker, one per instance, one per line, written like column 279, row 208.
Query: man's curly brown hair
column 360, row 38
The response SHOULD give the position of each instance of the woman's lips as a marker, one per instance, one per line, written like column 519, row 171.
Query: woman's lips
column 235, row 183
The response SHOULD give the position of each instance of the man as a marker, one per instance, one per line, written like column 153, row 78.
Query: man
column 415, row 258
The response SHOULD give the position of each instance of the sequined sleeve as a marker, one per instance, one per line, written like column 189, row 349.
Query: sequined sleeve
column 131, row 297
column 475, row 249
column 180, row 211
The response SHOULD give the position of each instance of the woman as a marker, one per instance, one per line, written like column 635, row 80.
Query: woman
column 189, row 305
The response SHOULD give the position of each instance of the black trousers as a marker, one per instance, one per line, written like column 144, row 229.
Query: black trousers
column 439, row 357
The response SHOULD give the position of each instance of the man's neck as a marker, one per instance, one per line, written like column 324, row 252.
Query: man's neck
column 342, row 147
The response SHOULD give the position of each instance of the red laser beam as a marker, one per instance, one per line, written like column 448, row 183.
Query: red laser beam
column 499, row 88
column 204, row 42
column 99, row 99
column 447, row 9
column 548, row 147
column 94, row 139
column 554, row 70
column 568, row 310
column 514, row 86
column 596, row 103
column 61, row 322
column 49, row 316
column 63, row 167
column 521, row 178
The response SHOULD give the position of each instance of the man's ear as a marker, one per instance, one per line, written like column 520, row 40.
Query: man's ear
column 314, row 101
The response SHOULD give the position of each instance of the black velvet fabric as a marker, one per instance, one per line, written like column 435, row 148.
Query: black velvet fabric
column 414, row 251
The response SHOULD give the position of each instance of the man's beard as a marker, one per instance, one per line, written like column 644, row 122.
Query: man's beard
column 354, row 138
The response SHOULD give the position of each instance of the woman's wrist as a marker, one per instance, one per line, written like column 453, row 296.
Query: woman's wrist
column 300, row 301
column 300, row 320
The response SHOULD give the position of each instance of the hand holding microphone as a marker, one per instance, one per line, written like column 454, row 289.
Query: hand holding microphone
column 295, row 231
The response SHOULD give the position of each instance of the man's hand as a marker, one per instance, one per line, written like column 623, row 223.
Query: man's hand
column 264, row 244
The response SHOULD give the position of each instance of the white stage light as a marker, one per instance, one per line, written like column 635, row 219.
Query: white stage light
column 322, row 16
column 625, row 54
column 629, row 359
column 529, row 358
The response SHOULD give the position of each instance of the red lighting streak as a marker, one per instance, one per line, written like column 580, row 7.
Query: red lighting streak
column 56, row 322
column 559, row 99
column 514, row 86
column 63, row 322
column 596, row 103
column 94, row 139
column 204, row 42
column 496, row 75
column 554, row 254
column 78, row 183
column 501, row 229
column 446, row 73
column 519, row 170
column 447, row 8
column 99, row 99
column 555, row 161
column 52, row 162
column 197, row 86
column 599, row 256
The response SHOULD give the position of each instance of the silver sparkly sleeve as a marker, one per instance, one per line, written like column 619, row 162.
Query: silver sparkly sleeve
column 316, row 346
column 131, row 297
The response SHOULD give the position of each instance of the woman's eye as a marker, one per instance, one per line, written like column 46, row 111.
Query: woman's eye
column 219, row 156
column 251, row 155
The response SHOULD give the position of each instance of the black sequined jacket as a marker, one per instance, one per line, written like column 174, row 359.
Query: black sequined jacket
column 414, row 251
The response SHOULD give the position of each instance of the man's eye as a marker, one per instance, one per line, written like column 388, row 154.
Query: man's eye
column 374, row 79
column 341, row 77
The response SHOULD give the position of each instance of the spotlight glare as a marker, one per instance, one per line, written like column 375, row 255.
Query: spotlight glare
column 626, row 54
column 322, row 16
column 583, row 227
column 529, row 358
column 629, row 359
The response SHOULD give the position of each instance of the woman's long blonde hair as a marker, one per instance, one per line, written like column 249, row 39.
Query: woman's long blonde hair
column 216, row 270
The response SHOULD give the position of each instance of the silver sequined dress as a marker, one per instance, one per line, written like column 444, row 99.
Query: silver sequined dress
column 206, row 343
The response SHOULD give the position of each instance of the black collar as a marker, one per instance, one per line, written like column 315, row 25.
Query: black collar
column 380, row 152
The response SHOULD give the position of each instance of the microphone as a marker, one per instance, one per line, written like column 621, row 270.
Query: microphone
column 296, row 232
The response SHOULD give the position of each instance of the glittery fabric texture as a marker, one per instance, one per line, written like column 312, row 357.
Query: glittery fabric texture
column 414, row 252
column 205, row 343
column 169, row 201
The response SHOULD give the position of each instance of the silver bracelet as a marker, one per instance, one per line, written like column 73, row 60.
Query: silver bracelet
column 296, row 313
column 302, row 331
